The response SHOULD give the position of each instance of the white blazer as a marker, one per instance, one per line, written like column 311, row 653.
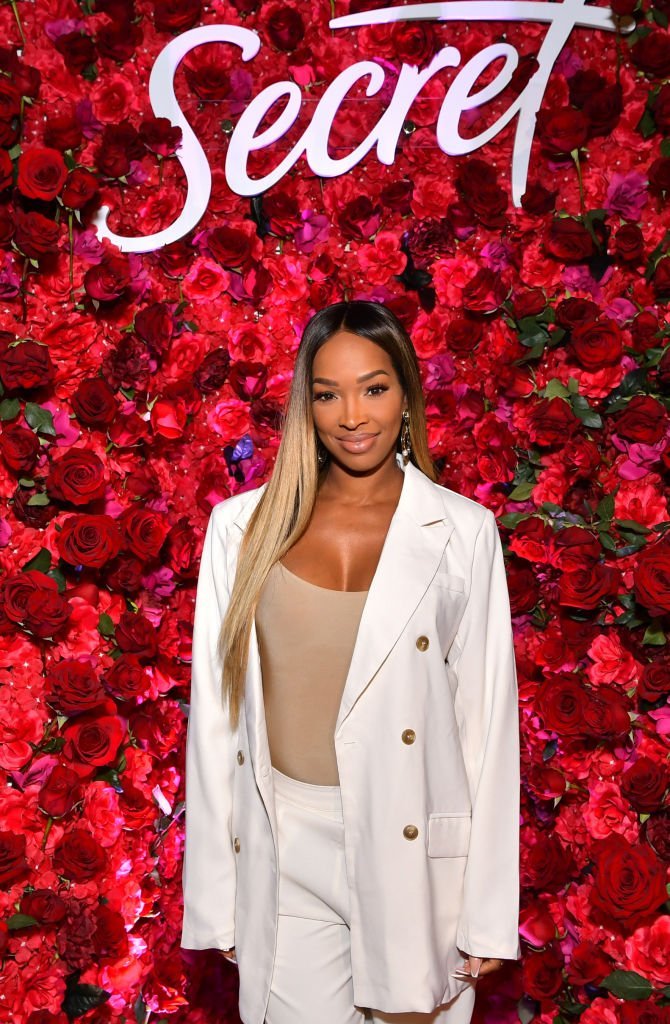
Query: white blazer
column 434, row 654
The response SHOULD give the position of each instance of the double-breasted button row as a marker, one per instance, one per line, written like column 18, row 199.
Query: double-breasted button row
column 410, row 831
column 408, row 736
column 422, row 643
column 240, row 757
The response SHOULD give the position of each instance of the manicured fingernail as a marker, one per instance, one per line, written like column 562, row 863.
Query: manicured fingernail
column 474, row 971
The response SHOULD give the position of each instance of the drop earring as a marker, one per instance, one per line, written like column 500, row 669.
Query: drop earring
column 321, row 455
column 405, row 440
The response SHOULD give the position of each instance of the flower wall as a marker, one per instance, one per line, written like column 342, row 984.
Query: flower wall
column 137, row 391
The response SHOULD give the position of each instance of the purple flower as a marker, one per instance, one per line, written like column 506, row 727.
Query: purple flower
column 627, row 195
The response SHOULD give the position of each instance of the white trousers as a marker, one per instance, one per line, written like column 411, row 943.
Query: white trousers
column 311, row 982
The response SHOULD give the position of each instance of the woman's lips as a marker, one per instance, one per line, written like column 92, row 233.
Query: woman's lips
column 358, row 443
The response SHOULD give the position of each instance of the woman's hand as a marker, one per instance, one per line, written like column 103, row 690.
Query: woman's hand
column 229, row 954
column 476, row 966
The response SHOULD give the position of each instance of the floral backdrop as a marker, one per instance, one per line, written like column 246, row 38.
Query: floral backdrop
column 138, row 391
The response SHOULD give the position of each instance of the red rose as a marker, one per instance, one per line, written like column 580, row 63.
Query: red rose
column 89, row 540
column 36, row 235
column 6, row 170
column 34, row 601
column 652, row 54
column 61, row 791
column 359, row 218
column 597, row 344
column 63, row 131
column 584, row 84
column 585, row 588
column 13, row 864
column 629, row 882
column 136, row 635
column 26, row 366
column 568, row 240
column 119, row 145
column 284, row 27
column 528, row 303
column 160, row 136
column 94, row 739
column 176, row 15
column 547, row 864
column 79, row 857
column 654, row 682
column 562, row 131
column 552, row 421
column 604, row 110
column 607, row 714
column 44, row 905
column 629, row 243
column 661, row 279
column 126, row 679
column 77, row 477
column 659, row 176
column 588, row 964
column 571, row 313
column 73, row 686
column 108, row 280
column 80, row 188
column 206, row 73
column 282, row 212
column 478, row 185
column 230, row 247
column 643, row 419
column 110, row 937
column 543, row 973
column 429, row 239
column 485, row 293
column 154, row 324
column 397, row 196
column 78, row 51
column 537, row 199
column 413, row 42
column 562, row 702
column 144, row 530
column 19, row 447
column 657, row 834
column 212, row 372
column 118, row 40
column 42, row 173
column 623, row 8
column 651, row 578
column 643, row 331
column 644, row 784
column 94, row 403
column 662, row 109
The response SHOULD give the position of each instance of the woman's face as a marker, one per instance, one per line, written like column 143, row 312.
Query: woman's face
column 357, row 401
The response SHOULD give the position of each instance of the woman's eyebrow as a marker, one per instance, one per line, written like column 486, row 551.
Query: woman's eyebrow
column 333, row 383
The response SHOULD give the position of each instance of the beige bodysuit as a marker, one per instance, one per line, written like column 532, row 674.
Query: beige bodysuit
column 306, row 636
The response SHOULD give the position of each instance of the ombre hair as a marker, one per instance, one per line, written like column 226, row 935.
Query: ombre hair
column 285, row 507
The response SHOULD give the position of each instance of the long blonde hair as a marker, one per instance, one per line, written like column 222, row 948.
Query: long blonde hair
column 284, row 509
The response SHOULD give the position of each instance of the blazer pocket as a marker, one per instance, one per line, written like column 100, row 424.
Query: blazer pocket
column 450, row 582
column 449, row 834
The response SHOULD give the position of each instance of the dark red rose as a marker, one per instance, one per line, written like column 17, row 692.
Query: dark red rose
column 42, row 173
column 35, row 235
column 623, row 8
column 662, row 109
column 73, row 686
column 462, row 219
column 562, row 701
column 644, row 1013
column 213, row 371
column 207, row 74
column 62, row 130
column 597, row 344
column 629, row 882
column 19, row 447
column 176, row 15
column 359, row 218
column 128, row 365
column 575, row 548
column 108, row 280
column 160, row 136
column 136, row 635
column 629, row 244
column 654, row 682
column 651, row 54
column 428, row 240
column 543, row 973
column 643, row 331
column 77, row 50
column 528, row 303
column 485, row 293
column 154, row 324
column 552, row 421
column 651, row 577
column 248, row 379
column 568, row 241
column 174, row 259
column 110, row 937
column 89, row 540
column 282, row 212
column 478, row 185
column 230, row 247
column 26, row 366
column 585, row 588
column 60, row 792
column 583, row 84
column 78, row 477
column 118, row 40
column 571, row 313
column 537, row 199
column 79, row 857
column 643, row 419
column 563, row 130
column 657, row 834
column 284, row 27
column 413, row 42
column 10, row 110
column 607, row 714
column 547, row 864
column 144, row 531
column 523, row 73
column 94, row 403
column 32, row 599
column 119, row 145
column 45, row 905
column 604, row 110
column 6, row 170
column 661, row 279
column 644, row 785
column 659, row 176
column 126, row 679
column 93, row 739
column 80, row 188
column 13, row 864
column 397, row 196
column 588, row 964
column 125, row 576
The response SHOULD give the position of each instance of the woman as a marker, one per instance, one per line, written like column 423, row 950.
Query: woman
column 352, row 758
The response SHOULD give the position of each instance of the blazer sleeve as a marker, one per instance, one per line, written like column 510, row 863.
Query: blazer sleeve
column 488, row 698
column 209, row 867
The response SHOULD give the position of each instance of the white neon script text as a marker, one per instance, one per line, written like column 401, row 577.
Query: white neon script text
column 561, row 18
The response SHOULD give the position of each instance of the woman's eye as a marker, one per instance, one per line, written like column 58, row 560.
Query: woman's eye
column 378, row 387
column 322, row 394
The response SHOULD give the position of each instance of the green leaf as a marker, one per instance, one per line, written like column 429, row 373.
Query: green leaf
column 39, row 419
column 9, row 408
column 522, row 491
column 38, row 499
column 646, row 126
column 632, row 526
column 584, row 412
column 665, row 147
column 627, row 985
column 21, row 921
column 549, row 750
column 605, row 508
column 654, row 635
column 79, row 999
column 106, row 625
column 40, row 563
